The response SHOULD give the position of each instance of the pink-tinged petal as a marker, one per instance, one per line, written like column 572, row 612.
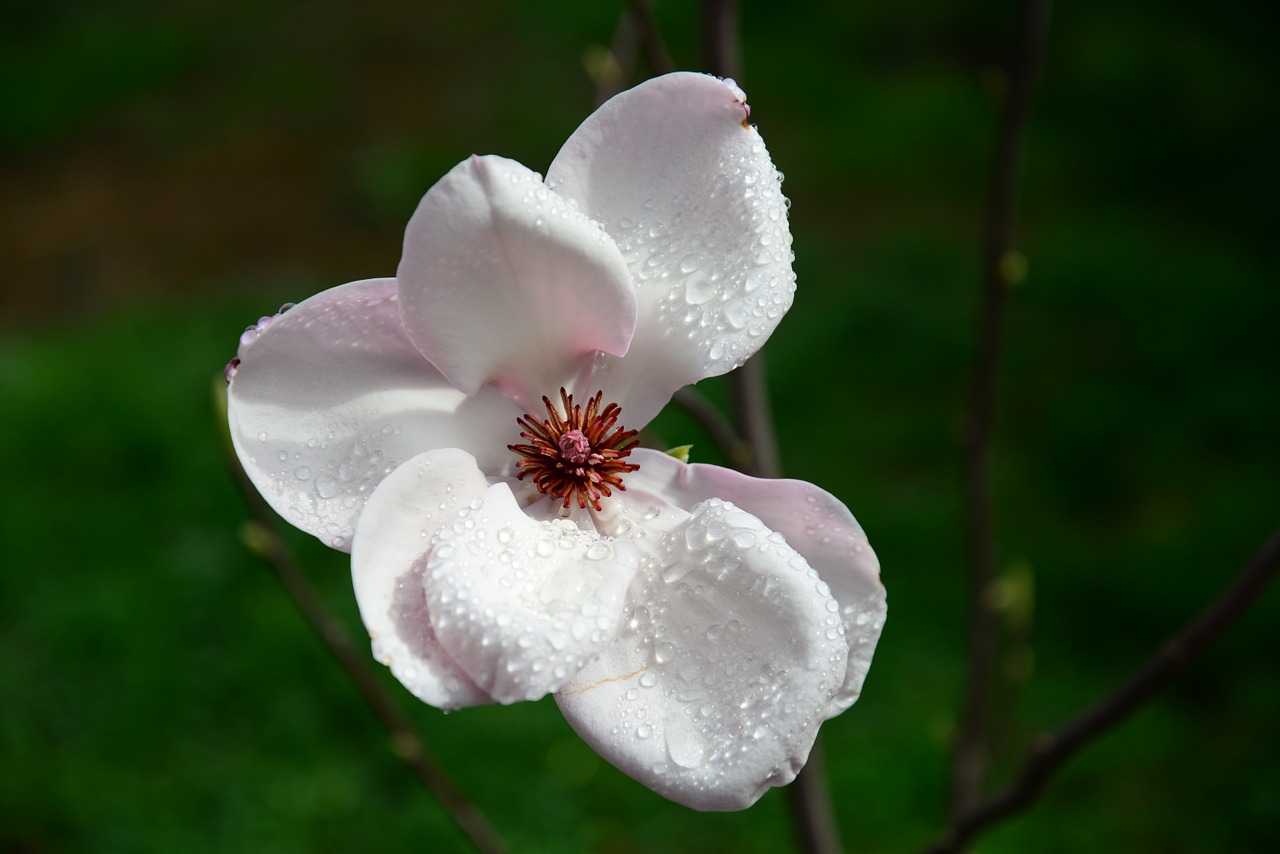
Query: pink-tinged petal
column 815, row 523
column 522, row 603
column 684, row 185
column 502, row 281
column 714, row 690
column 331, row 396
column 388, row 564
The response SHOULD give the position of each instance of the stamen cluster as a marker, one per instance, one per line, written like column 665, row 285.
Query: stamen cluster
column 574, row 455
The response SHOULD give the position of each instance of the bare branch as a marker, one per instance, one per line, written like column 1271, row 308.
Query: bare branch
column 809, row 796
column 972, row 742
column 721, row 47
column 735, row 449
column 754, row 414
column 655, row 49
column 617, row 65
column 1052, row 751
column 405, row 742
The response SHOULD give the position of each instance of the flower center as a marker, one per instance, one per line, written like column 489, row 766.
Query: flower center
column 577, row 455
column 575, row 447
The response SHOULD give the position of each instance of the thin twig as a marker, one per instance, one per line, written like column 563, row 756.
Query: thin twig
column 722, row 54
column 754, row 414
column 972, row 742
column 405, row 742
column 1051, row 751
column 655, row 49
column 809, row 796
column 735, row 449
column 618, row 66
column 721, row 46
column 637, row 29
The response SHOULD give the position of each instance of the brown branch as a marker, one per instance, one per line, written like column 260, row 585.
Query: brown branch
column 810, row 799
column 618, row 65
column 722, row 54
column 736, row 450
column 655, row 49
column 972, row 742
column 754, row 414
column 721, row 48
column 405, row 741
column 1052, row 751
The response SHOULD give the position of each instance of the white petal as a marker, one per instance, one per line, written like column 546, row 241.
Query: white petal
column 388, row 564
column 332, row 396
column 503, row 281
column 686, row 188
column 715, row 689
column 520, row 603
column 815, row 523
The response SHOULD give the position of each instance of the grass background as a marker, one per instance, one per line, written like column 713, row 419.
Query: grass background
column 171, row 171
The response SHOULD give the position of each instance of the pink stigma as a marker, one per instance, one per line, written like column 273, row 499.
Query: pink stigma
column 574, row 447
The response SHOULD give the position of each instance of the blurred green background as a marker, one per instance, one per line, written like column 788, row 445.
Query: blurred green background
column 169, row 171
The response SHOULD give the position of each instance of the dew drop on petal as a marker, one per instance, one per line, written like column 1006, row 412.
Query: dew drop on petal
column 683, row 744
column 691, row 262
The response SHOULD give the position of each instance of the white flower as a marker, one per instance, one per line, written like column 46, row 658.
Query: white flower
column 695, row 625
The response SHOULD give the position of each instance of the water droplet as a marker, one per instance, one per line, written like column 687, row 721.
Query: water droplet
column 715, row 530
column 699, row 290
column 326, row 486
column 691, row 262
column 683, row 744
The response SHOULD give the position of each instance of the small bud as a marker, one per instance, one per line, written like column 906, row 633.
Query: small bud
column 680, row 452
column 257, row 538
column 1012, row 268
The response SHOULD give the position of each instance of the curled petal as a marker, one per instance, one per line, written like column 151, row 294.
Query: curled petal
column 815, row 523
column 502, row 281
column 523, row 604
column 387, row 567
column 715, row 689
column 684, row 185
column 332, row 396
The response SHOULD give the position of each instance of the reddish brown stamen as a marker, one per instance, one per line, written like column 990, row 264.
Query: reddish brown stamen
column 575, row 455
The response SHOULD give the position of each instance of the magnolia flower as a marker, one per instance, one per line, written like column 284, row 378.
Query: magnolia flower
column 460, row 429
